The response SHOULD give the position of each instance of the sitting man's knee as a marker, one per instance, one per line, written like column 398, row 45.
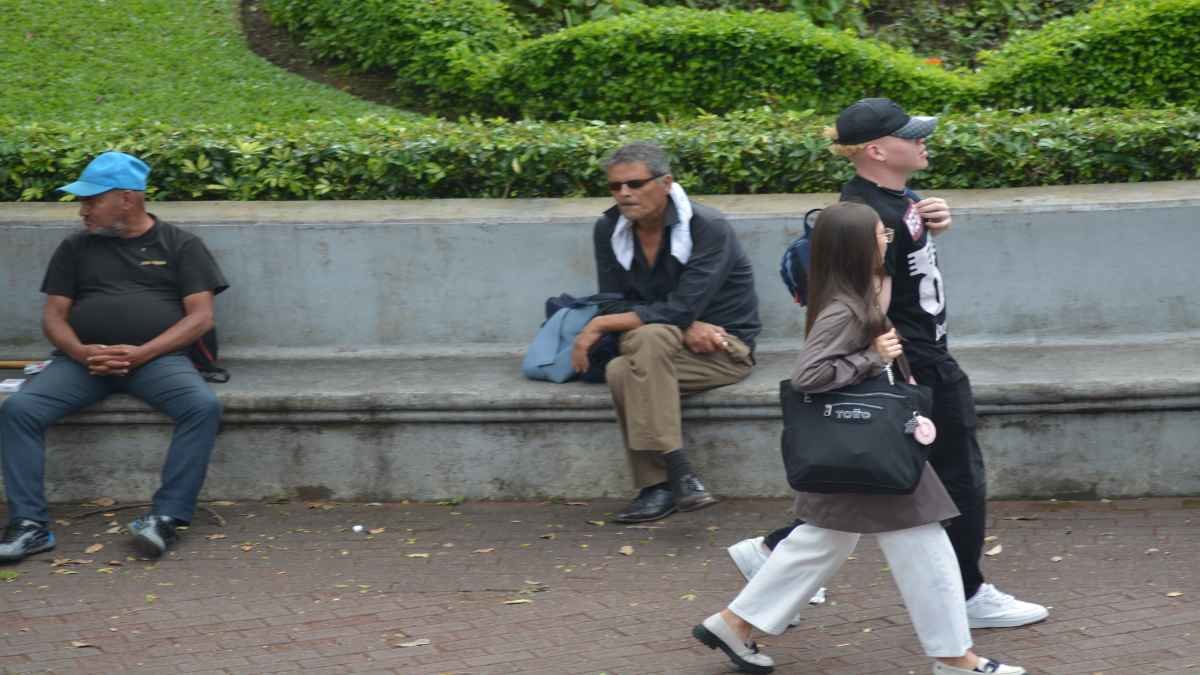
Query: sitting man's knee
column 205, row 404
column 659, row 336
column 18, row 407
column 616, row 369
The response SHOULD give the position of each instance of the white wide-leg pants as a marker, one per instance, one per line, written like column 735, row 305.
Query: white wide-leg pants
column 922, row 563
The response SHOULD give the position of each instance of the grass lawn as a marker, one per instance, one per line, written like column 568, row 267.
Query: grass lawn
column 176, row 61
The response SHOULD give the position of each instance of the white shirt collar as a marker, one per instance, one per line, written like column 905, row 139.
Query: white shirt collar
column 681, row 233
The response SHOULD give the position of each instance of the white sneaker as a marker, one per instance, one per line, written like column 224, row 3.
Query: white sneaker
column 989, row 608
column 749, row 555
column 714, row 633
column 984, row 666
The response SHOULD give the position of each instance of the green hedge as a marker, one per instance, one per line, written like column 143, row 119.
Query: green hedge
column 674, row 62
column 1132, row 54
column 758, row 151
column 437, row 48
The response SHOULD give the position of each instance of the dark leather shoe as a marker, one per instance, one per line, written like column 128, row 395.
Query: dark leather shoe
column 652, row 503
column 690, row 494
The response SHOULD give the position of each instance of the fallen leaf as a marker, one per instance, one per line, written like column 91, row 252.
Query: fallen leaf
column 79, row 644
column 518, row 601
column 597, row 523
column 988, row 540
column 224, row 502
column 1057, row 558
column 688, row 596
column 105, row 502
column 626, row 550
column 484, row 550
column 65, row 571
column 9, row 575
column 1150, row 551
column 215, row 537
column 417, row 555
column 116, row 529
column 712, row 528
column 247, row 547
column 150, row 597
column 549, row 535
column 377, row 530
column 416, row 643
column 59, row 562
column 578, row 504
column 324, row 506
column 94, row 548
column 1174, row 594
column 105, row 570
column 994, row 550
column 115, row 563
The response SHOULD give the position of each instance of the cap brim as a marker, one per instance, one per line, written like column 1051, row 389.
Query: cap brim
column 917, row 127
column 85, row 189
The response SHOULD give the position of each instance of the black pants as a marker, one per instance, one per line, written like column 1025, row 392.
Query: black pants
column 958, row 461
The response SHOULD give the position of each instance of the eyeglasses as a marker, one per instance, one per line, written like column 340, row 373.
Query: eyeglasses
column 889, row 235
column 637, row 184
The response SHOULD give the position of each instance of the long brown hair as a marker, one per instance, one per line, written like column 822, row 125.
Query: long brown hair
column 845, row 261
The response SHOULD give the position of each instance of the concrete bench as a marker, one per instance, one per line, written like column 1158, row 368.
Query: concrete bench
column 376, row 349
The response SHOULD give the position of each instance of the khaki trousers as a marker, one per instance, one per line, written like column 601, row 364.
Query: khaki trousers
column 647, row 380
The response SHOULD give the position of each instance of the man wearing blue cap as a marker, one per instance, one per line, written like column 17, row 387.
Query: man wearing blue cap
column 125, row 298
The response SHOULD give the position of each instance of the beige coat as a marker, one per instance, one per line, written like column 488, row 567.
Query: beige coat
column 838, row 353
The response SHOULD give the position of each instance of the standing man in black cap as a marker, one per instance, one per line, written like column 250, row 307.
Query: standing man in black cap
column 887, row 147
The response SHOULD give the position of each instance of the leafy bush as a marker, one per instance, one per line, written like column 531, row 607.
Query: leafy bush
column 547, row 16
column 437, row 48
column 758, row 151
column 670, row 62
column 955, row 31
column 1130, row 54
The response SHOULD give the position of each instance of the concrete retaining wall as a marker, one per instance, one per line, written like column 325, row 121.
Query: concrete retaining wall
column 1028, row 264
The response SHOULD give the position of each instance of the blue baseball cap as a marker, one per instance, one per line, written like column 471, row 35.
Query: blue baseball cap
column 110, row 171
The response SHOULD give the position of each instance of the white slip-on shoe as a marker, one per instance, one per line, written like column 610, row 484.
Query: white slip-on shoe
column 990, row 608
column 714, row 633
column 984, row 666
column 749, row 555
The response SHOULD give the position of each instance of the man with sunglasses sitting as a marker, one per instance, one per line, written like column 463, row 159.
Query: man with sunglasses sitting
column 688, row 320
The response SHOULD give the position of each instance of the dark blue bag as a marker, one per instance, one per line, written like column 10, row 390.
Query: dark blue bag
column 549, row 356
column 794, row 266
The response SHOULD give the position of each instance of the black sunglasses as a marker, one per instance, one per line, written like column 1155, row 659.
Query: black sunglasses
column 633, row 184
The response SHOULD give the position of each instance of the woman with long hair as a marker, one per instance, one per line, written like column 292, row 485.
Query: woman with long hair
column 849, row 339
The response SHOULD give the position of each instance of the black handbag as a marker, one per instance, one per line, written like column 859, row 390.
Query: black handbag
column 859, row 439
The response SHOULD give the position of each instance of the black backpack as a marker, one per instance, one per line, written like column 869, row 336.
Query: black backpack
column 203, row 352
column 794, row 266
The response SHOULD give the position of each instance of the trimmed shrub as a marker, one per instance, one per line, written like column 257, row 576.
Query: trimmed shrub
column 1130, row 53
column 676, row 62
column 758, row 151
column 437, row 48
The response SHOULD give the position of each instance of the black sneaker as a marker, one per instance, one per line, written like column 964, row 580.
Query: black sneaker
column 24, row 538
column 153, row 535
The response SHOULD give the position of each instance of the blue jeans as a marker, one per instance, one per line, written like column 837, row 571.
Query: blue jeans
column 169, row 383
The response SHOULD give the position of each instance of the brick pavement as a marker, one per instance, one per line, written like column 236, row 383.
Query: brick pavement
column 291, row 588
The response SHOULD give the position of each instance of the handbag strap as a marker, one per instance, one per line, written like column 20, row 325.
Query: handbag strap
column 905, row 369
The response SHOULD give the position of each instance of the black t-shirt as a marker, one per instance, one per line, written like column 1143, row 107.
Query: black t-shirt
column 918, row 307
column 129, row 291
